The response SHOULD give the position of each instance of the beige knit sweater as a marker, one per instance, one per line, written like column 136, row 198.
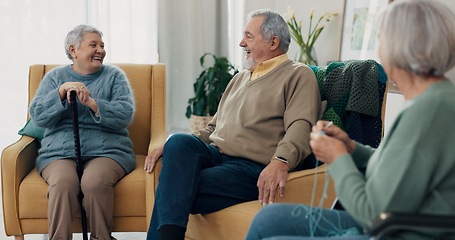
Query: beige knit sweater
column 270, row 116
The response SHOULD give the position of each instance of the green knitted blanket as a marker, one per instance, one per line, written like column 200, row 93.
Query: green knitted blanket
column 354, row 92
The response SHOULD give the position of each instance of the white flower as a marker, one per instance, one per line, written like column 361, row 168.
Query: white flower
column 306, row 44
column 312, row 13
column 290, row 13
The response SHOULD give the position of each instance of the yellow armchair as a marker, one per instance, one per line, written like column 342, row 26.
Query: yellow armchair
column 24, row 190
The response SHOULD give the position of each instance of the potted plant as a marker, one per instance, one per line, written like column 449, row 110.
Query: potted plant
column 208, row 88
column 306, row 45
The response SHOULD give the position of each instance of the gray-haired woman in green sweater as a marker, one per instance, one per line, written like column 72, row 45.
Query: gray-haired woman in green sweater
column 413, row 169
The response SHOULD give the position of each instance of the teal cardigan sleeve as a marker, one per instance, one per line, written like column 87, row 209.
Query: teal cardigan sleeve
column 362, row 154
column 411, row 171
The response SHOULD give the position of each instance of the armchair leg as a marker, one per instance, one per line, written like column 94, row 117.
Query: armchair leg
column 19, row 237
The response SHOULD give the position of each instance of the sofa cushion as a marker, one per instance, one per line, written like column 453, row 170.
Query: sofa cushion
column 229, row 223
column 129, row 194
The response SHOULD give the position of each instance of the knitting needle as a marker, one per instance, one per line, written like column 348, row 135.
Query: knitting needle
column 322, row 132
column 328, row 125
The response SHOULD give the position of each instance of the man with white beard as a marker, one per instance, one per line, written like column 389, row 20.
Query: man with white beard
column 260, row 131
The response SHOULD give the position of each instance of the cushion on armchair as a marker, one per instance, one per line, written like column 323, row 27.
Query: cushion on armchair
column 31, row 130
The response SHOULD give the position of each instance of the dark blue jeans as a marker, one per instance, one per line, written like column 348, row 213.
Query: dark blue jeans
column 197, row 178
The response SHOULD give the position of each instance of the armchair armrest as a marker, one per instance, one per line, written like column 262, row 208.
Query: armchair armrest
column 18, row 160
column 300, row 185
column 386, row 223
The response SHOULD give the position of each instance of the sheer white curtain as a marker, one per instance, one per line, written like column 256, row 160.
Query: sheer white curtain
column 129, row 28
column 33, row 32
column 187, row 30
column 236, row 23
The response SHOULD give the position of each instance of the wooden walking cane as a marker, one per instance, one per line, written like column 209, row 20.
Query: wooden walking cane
column 79, row 164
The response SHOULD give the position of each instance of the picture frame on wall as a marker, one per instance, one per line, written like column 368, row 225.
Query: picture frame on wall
column 359, row 38
column 359, row 32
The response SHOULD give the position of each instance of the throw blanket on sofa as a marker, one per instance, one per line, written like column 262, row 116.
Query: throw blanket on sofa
column 354, row 91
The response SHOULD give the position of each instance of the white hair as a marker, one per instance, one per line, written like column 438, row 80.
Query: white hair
column 418, row 36
column 74, row 37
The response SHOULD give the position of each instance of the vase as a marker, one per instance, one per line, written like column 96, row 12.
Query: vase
column 307, row 55
column 199, row 122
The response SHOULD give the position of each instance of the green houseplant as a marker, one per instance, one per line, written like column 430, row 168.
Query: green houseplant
column 209, row 86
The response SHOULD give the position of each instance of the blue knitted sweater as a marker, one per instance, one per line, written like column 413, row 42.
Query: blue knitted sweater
column 106, row 136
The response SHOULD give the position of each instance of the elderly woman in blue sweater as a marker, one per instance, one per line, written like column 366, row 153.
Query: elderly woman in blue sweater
column 106, row 108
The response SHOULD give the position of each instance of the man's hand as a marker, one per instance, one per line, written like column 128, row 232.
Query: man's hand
column 152, row 158
column 273, row 177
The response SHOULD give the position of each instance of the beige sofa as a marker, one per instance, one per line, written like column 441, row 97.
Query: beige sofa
column 233, row 222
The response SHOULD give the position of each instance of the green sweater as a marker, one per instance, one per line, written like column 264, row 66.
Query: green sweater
column 269, row 116
column 413, row 169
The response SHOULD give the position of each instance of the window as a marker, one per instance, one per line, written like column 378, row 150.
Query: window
column 34, row 33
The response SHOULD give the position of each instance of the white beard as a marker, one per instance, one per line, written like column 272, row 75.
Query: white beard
column 248, row 63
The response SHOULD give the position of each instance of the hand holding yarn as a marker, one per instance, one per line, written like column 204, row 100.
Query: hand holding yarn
column 328, row 142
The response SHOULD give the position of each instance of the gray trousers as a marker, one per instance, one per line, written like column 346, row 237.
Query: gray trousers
column 97, row 184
